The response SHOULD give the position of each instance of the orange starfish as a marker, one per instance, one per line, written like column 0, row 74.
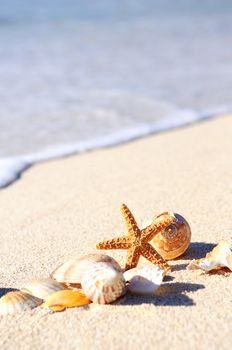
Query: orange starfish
column 136, row 241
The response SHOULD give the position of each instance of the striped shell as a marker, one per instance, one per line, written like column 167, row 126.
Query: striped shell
column 17, row 301
column 71, row 271
column 63, row 299
column 42, row 287
column 174, row 239
column 219, row 257
column 144, row 280
column 103, row 284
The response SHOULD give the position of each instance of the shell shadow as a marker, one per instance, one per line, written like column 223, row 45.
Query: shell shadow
column 197, row 250
column 4, row 291
column 169, row 294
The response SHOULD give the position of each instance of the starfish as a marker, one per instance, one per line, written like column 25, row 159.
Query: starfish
column 136, row 240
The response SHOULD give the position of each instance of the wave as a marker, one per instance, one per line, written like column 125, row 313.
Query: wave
column 11, row 168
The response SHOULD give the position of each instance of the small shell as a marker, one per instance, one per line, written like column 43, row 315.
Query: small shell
column 71, row 271
column 174, row 239
column 103, row 284
column 145, row 280
column 17, row 301
column 220, row 256
column 63, row 299
column 42, row 287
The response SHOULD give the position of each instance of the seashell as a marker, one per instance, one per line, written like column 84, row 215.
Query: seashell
column 17, row 301
column 72, row 270
column 219, row 257
column 42, row 287
column 174, row 239
column 103, row 284
column 144, row 280
column 63, row 299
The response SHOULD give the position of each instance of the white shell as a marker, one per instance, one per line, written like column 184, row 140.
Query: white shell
column 144, row 280
column 71, row 271
column 103, row 284
column 220, row 256
column 42, row 287
column 17, row 301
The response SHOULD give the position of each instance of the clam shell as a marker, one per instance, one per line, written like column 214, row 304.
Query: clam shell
column 103, row 284
column 17, row 301
column 219, row 257
column 63, row 299
column 71, row 271
column 42, row 287
column 144, row 280
column 174, row 240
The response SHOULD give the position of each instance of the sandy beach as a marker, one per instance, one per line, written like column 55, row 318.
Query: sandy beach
column 62, row 208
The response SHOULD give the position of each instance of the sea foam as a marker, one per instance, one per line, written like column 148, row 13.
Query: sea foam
column 11, row 168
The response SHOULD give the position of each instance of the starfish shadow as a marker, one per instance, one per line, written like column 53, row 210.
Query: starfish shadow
column 179, row 267
column 168, row 278
column 4, row 291
column 197, row 250
column 169, row 294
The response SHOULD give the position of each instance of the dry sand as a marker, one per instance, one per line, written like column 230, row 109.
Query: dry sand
column 62, row 208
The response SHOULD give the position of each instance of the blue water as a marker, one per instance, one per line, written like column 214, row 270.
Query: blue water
column 44, row 10
column 76, row 75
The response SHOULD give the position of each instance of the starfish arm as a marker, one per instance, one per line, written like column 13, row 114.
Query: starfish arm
column 157, row 226
column 130, row 223
column 133, row 256
column 148, row 234
column 115, row 243
column 148, row 252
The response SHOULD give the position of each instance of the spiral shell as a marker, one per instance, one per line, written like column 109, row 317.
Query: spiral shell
column 144, row 280
column 42, row 287
column 174, row 239
column 103, row 284
column 17, row 301
column 71, row 271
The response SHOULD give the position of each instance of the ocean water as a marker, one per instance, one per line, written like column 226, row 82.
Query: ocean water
column 78, row 75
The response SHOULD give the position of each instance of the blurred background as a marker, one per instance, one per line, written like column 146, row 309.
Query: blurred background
column 80, row 74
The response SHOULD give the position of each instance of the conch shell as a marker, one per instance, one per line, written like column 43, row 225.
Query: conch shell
column 144, row 280
column 17, row 301
column 71, row 272
column 219, row 257
column 103, row 284
column 174, row 239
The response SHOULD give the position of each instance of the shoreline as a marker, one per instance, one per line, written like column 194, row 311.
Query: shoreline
column 62, row 208
column 12, row 168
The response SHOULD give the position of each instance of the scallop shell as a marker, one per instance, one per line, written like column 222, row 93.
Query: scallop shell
column 63, row 299
column 220, row 256
column 71, row 271
column 144, row 280
column 42, row 287
column 103, row 284
column 17, row 301
column 174, row 239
